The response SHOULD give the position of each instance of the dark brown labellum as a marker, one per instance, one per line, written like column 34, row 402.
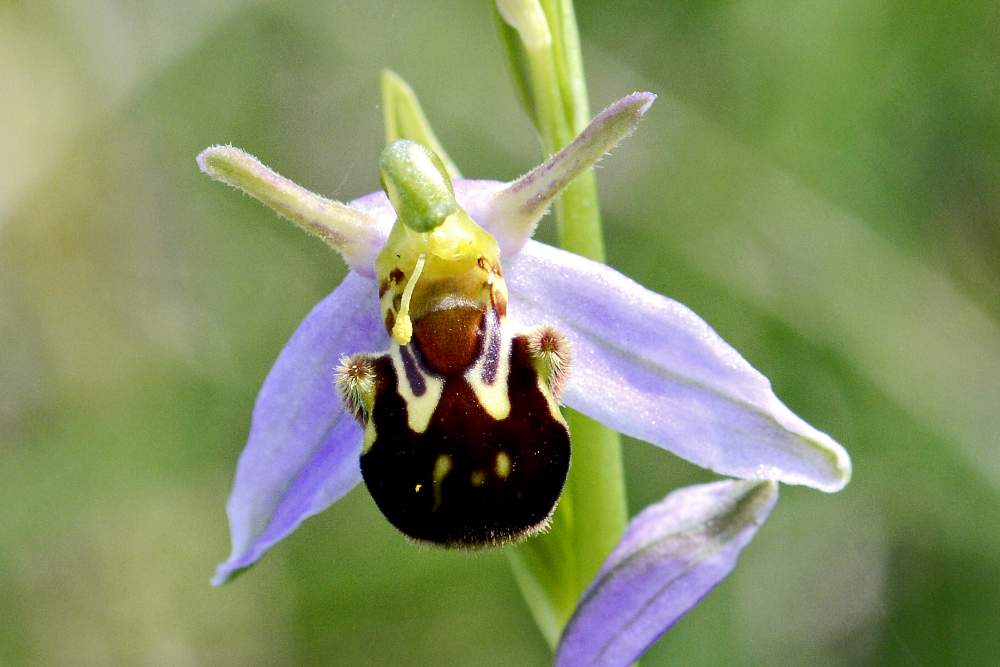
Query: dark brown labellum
column 467, row 480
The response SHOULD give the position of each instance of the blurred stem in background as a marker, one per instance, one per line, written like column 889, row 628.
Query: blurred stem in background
column 543, row 48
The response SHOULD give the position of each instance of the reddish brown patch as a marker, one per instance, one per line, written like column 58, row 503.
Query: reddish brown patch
column 383, row 287
column 390, row 321
column 489, row 267
column 499, row 302
column 397, row 276
column 449, row 340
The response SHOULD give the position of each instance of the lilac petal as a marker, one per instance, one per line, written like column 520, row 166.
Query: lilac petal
column 303, row 450
column 650, row 368
column 516, row 209
column 354, row 234
column 672, row 555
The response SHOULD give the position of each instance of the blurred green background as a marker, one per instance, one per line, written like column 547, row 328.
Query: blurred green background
column 819, row 180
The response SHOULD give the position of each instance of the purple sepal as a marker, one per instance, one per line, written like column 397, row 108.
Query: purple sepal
column 672, row 555
column 648, row 367
column 303, row 449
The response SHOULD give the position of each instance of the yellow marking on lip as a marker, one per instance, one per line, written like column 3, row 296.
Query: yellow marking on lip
column 442, row 466
column 417, row 488
column 369, row 436
column 419, row 409
column 503, row 465
column 550, row 400
column 494, row 398
column 478, row 478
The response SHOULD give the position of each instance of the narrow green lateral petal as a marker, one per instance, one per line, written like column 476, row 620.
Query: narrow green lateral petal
column 355, row 234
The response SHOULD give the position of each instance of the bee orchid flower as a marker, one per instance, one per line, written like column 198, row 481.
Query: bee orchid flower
column 436, row 369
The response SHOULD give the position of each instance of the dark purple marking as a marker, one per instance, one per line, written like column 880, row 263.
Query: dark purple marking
column 492, row 351
column 413, row 375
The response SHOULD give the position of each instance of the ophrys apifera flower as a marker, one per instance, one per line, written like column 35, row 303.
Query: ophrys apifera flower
column 454, row 338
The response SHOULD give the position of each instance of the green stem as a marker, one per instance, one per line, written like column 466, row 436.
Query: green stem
column 554, row 569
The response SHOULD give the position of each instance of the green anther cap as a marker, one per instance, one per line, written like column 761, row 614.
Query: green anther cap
column 417, row 184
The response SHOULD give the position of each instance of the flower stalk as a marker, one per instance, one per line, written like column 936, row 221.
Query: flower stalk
column 543, row 45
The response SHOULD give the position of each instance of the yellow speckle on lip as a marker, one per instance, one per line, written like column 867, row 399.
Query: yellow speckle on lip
column 442, row 466
column 502, row 465
column 417, row 488
column 478, row 478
